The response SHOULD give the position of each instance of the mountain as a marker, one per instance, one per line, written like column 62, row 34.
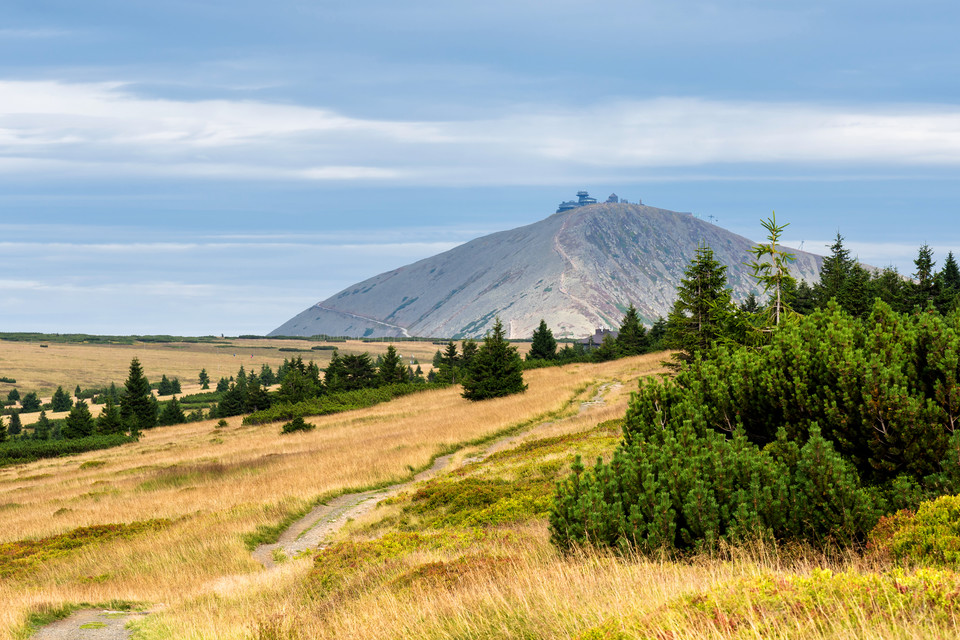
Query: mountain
column 579, row 270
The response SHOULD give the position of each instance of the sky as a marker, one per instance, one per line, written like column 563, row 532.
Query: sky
column 207, row 167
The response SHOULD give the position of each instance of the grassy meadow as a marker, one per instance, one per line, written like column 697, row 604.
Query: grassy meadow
column 43, row 366
column 190, row 495
column 168, row 523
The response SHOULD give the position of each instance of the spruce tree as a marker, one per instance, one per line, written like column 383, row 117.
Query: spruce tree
column 702, row 311
column 632, row 337
column 30, row 402
column 109, row 422
column 358, row 372
column 61, row 400
column 138, row 407
column 448, row 364
column 948, row 284
column 165, row 388
column 544, row 345
column 496, row 370
column 16, row 427
column 334, row 373
column 41, row 429
column 392, row 370
column 172, row 413
column 79, row 423
column 13, row 396
column 924, row 287
column 204, row 379
column 267, row 377
column 468, row 351
column 609, row 349
column 77, row 392
column 834, row 274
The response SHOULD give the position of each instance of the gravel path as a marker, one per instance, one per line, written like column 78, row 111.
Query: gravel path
column 310, row 532
column 90, row 624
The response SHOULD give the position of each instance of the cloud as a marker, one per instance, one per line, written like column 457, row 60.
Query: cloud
column 104, row 130
column 33, row 34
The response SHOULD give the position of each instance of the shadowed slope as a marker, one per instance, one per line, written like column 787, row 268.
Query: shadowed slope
column 579, row 270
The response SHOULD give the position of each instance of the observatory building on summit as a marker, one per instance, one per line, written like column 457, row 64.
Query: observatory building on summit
column 583, row 199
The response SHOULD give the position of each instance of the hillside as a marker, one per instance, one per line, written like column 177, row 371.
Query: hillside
column 578, row 269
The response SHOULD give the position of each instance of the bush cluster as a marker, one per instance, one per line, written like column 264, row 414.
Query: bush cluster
column 836, row 422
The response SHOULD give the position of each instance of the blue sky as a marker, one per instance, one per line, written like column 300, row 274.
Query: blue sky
column 213, row 166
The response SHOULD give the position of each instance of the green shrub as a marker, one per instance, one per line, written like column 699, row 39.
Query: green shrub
column 21, row 451
column 931, row 536
column 814, row 436
column 336, row 402
column 297, row 424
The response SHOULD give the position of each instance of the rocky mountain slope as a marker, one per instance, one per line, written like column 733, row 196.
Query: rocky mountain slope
column 578, row 270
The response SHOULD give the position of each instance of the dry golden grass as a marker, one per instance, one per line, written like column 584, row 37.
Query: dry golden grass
column 509, row 582
column 218, row 484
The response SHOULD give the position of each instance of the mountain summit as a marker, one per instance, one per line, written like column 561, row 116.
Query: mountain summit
column 579, row 270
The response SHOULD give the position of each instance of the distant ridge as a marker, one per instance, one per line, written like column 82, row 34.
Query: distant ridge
column 578, row 269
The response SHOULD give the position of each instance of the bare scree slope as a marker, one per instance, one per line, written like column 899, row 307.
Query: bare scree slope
column 578, row 269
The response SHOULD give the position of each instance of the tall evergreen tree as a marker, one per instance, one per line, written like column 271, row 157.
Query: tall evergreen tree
column 632, row 337
column 609, row 349
column 948, row 284
column 771, row 270
column 544, row 345
column 496, row 370
column 137, row 406
column 30, row 402
column 165, row 388
column 267, row 377
column 359, row 372
column 448, row 365
column 333, row 377
column 924, row 287
column 392, row 369
column 109, row 422
column 13, row 396
column 16, row 426
column 61, row 400
column 657, row 334
column 204, row 379
column 834, row 274
column 702, row 311
column 172, row 413
column 889, row 286
column 468, row 351
column 41, row 429
column 77, row 392
column 79, row 423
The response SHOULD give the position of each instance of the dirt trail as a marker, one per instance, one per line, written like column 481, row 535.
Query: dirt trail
column 93, row 624
column 310, row 533
column 314, row 530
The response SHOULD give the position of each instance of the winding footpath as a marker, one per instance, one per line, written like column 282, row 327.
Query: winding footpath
column 309, row 534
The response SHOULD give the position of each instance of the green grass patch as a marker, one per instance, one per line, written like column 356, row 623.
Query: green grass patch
column 17, row 558
column 94, row 625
